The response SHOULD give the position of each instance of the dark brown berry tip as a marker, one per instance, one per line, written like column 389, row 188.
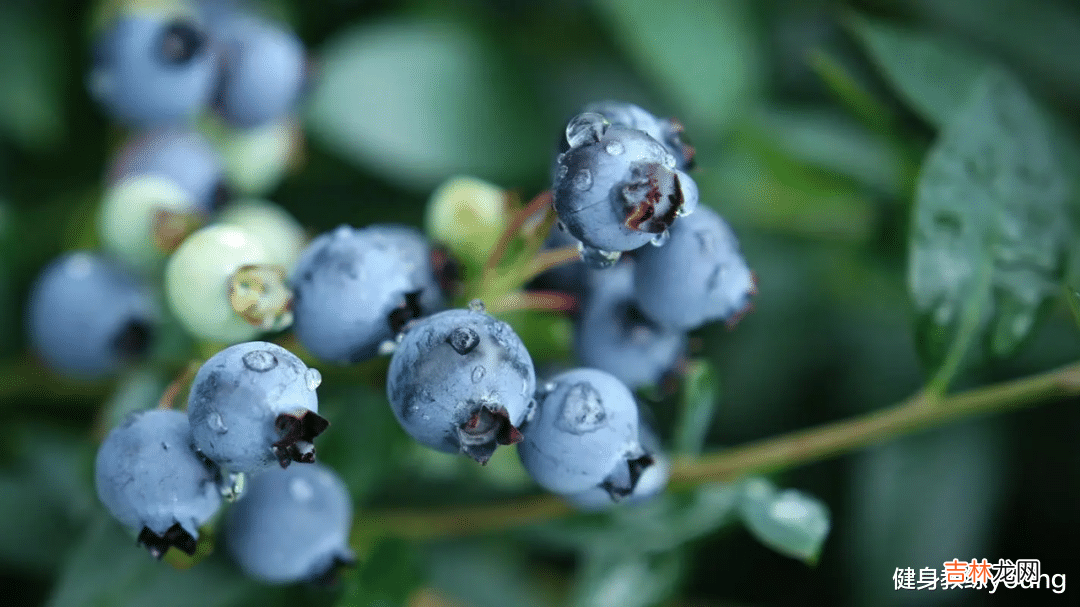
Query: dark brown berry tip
column 485, row 430
column 295, row 436
column 174, row 537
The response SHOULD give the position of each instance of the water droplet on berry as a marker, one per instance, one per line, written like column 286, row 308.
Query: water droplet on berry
column 598, row 258
column 585, row 128
column 477, row 306
column 614, row 148
column 314, row 378
column 463, row 340
column 387, row 347
column 478, row 374
column 582, row 410
column 669, row 160
column 661, row 238
column 301, row 490
column 684, row 210
column 216, row 423
column 583, row 180
column 562, row 172
column 260, row 361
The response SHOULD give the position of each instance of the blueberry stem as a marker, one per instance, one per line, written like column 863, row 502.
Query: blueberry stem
column 922, row 411
column 177, row 385
column 550, row 301
column 517, row 220
column 553, row 258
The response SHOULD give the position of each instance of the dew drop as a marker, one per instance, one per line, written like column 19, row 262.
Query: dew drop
column 583, row 180
column 614, row 148
column 562, row 172
column 598, row 258
column 463, row 340
column 585, row 128
column 478, row 373
column 684, row 210
column 301, row 490
column 314, row 378
column 216, row 423
column 387, row 347
column 660, row 239
column 582, row 410
column 260, row 361
column 669, row 160
column 477, row 305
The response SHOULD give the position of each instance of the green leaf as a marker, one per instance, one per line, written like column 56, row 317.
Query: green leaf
column 697, row 407
column 852, row 91
column 932, row 73
column 703, row 53
column 663, row 523
column 32, row 96
column 990, row 227
column 417, row 101
column 481, row 574
column 634, row 580
column 789, row 521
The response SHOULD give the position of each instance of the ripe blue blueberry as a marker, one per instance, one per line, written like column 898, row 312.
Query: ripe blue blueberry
column 584, row 434
column 253, row 405
column 263, row 70
column 291, row 525
column 697, row 277
column 617, row 188
column 184, row 156
column 153, row 67
column 612, row 335
column 88, row 315
column 150, row 478
column 353, row 290
column 665, row 130
column 652, row 482
column 461, row 381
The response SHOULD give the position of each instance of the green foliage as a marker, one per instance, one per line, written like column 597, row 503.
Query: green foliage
column 988, row 241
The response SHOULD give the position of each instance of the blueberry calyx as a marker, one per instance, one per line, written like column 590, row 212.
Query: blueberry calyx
column 622, row 481
column 331, row 575
column 174, row 537
column 297, row 434
column 653, row 198
column 180, row 42
column 409, row 309
column 133, row 339
column 675, row 141
column 463, row 340
column 487, row 428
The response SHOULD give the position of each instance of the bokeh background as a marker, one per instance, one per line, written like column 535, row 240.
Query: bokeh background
column 801, row 144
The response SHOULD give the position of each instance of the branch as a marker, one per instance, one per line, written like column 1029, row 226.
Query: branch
column 920, row 412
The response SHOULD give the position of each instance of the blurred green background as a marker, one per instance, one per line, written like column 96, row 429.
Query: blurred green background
column 805, row 143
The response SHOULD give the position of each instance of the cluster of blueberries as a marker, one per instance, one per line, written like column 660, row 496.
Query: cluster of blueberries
column 459, row 380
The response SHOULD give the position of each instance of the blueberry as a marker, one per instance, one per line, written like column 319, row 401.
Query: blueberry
column 253, row 405
column 584, row 434
column 355, row 288
column 698, row 276
column 152, row 67
column 291, row 525
column 150, row 478
column 612, row 335
column 653, row 480
column 88, row 315
column 461, row 381
column 263, row 70
column 183, row 156
column 616, row 188
column 665, row 130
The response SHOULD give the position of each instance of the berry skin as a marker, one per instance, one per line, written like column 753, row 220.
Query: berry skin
column 612, row 335
column 461, row 381
column 616, row 188
column 666, row 131
column 198, row 281
column 144, row 217
column 584, row 434
column 355, row 288
column 263, row 70
column 280, row 234
column 88, row 315
column 152, row 67
column 697, row 277
column 652, row 482
column 183, row 156
column 150, row 478
column 291, row 525
column 253, row 405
